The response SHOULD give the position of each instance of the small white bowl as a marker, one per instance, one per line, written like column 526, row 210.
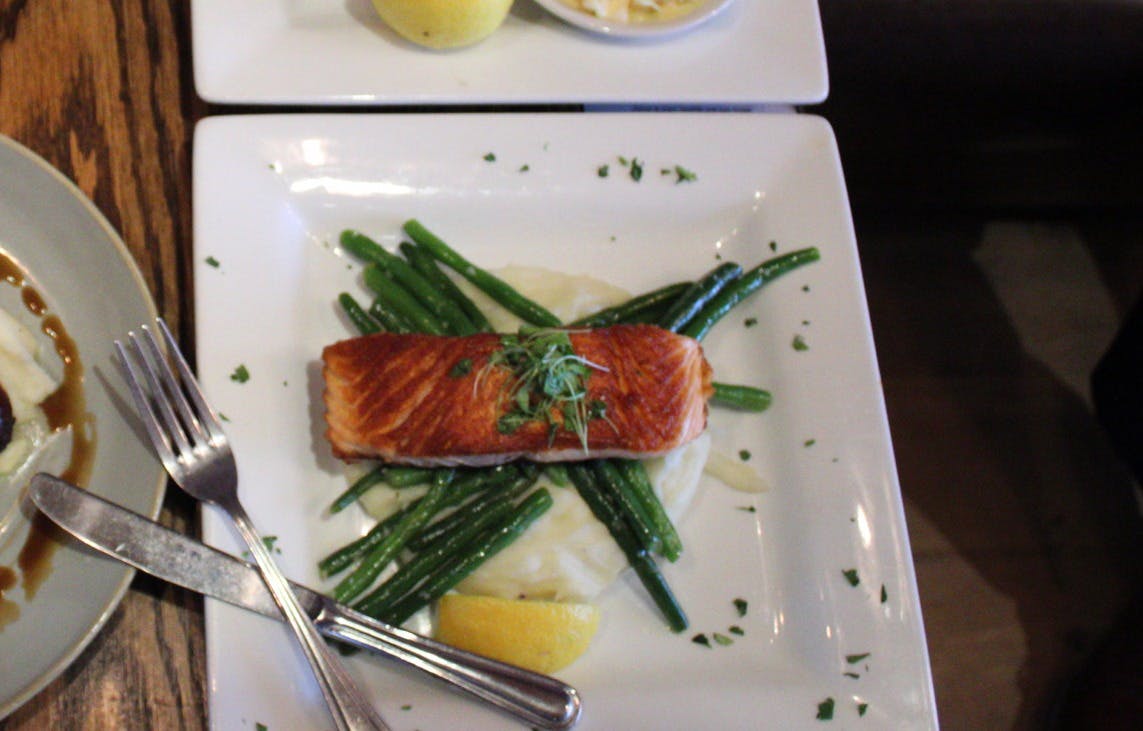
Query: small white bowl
column 705, row 10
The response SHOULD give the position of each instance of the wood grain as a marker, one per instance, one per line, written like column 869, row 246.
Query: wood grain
column 101, row 90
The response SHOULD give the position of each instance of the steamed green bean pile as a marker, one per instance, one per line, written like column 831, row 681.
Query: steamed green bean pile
column 469, row 514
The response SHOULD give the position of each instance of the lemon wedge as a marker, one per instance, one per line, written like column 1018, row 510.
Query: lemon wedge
column 443, row 24
column 542, row 636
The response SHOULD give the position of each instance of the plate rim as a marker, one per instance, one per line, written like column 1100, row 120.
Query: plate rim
column 37, row 684
column 212, row 80
column 822, row 129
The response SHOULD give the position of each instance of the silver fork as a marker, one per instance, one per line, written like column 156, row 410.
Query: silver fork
column 185, row 432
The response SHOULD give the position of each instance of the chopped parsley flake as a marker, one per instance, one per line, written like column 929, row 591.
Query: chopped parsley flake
column 744, row 455
column 750, row 321
column 461, row 368
column 748, row 509
column 741, row 605
column 701, row 639
column 799, row 343
column 684, row 175
column 734, row 629
column 809, row 442
column 490, row 157
column 851, row 674
column 525, row 168
column 211, row 261
column 240, row 375
column 722, row 639
column 271, row 543
column 603, row 171
column 862, row 708
column 851, row 576
column 884, row 594
column 825, row 710
column 773, row 246
column 854, row 659
column 636, row 170
column 260, row 727
column 407, row 707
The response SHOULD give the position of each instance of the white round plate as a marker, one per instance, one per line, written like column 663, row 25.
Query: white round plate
column 704, row 11
column 81, row 268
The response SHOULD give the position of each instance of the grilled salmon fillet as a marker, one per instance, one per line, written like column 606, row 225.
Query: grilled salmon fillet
column 435, row 400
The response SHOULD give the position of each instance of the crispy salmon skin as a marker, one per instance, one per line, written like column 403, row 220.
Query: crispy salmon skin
column 435, row 400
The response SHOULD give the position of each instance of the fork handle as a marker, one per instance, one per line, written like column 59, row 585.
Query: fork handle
column 349, row 707
column 538, row 700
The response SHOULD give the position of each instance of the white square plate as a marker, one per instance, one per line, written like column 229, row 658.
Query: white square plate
column 271, row 194
column 339, row 52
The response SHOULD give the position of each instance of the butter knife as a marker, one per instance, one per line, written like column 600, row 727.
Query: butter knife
column 535, row 699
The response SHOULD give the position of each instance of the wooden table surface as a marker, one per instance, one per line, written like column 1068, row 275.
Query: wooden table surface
column 103, row 91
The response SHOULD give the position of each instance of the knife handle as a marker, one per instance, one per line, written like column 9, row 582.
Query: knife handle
column 537, row 699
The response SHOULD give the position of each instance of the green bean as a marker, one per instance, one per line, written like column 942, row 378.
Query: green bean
column 513, row 486
column 425, row 292
column 631, row 507
column 691, row 302
column 359, row 487
column 635, row 308
column 424, row 263
column 744, row 286
column 390, row 319
column 463, row 487
column 390, row 291
column 638, row 557
column 635, row 473
column 433, row 555
column 387, row 549
column 343, row 558
column 401, row 476
column 473, row 555
column 490, row 284
column 362, row 320
column 745, row 398
column 557, row 472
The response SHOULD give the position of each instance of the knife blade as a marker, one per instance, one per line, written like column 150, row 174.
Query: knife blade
column 145, row 545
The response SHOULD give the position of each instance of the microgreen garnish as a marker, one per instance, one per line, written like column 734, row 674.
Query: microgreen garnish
column 549, row 384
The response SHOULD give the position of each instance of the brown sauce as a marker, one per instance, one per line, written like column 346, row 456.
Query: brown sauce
column 64, row 408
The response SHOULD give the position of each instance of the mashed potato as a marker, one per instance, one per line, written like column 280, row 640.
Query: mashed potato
column 26, row 384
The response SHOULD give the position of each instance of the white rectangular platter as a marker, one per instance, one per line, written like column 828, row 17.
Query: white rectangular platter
column 271, row 194
column 339, row 52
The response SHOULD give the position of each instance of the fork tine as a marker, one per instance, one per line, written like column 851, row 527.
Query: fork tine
column 180, row 420
column 160, row 439
column 205, row 412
